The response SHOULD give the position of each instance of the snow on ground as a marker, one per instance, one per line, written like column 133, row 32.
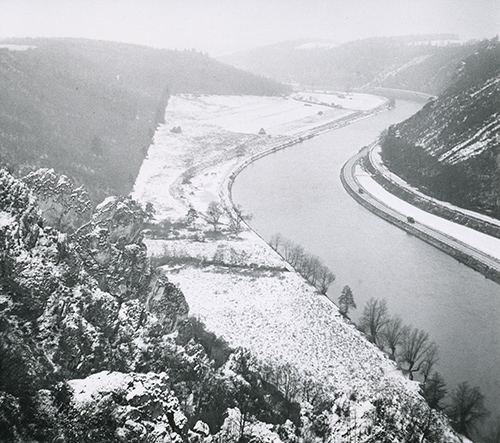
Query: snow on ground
column 376, row 159
column 5, row 219
column 413, row 62
column 244, row 251
column 217, row 132
column 317, row 45
column 282, row 319
column 11, row 47
column 485, row 243
column 91, row 387
column 238, row 286
column 248, row 114
column 475, row 144
column 444, row 42
column 352, row 101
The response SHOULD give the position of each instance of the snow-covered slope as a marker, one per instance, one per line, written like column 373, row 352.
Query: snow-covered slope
column 451, row 147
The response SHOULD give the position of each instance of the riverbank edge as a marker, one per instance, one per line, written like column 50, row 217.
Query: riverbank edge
column 427, row 203
column 468, row 260
column 226, row 191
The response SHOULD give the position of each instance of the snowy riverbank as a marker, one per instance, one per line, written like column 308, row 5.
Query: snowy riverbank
column 471, row 247
column 236, row 284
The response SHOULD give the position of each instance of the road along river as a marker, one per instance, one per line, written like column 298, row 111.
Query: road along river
column 298, row 193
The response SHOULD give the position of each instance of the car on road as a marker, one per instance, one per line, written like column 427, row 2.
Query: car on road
column 410, row 219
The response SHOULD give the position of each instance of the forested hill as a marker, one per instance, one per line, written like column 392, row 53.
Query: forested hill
column 89, row 108
column 423, row 63
column 450, row 148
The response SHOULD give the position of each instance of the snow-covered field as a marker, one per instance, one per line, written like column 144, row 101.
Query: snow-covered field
column 282, row 319
column 248, row 114
column 485, row 243
column 244, row 251
column 217, row 132
column 345, row 100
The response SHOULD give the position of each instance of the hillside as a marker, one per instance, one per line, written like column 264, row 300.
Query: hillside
column 450, row 149
column 97, row 346
column 419, row 63
column 90, row 109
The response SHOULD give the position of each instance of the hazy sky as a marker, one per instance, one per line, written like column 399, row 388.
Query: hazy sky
column 221, row 26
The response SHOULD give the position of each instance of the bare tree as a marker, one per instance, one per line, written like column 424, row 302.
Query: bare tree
column 346, row 300
column 296, row 255
column 311, row 389
column 214, row 214
column 429, row 361
column 288, row 381
column 466, row 408
column 392, row 334
column 309, row 268
column 434, row 390
column 414, row 347
column 276, row 241
column 374, row 319
column 325, row 279
column 237, row 218
column 286, row 249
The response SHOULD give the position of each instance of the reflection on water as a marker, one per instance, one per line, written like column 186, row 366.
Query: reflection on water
column 298, row 193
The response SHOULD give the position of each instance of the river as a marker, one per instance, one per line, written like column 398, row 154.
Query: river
column 297, row 192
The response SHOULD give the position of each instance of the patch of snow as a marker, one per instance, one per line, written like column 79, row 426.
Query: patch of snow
column 87, row 389
column 475, row 144
column 246, row 251
column 106, row 202
column 317, row 45
column 413, row 62
column 438, row 42
column 6, row 219
column 344, row 100
column 13, row 47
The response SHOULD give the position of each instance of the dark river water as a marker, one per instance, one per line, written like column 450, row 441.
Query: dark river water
column 298, row 193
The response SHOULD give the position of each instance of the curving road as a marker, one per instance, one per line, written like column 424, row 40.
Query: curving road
column 476, row 259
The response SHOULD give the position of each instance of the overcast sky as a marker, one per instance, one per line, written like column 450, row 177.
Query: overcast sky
column 223, row 26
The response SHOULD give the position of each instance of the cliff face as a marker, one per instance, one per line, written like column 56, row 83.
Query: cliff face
column 95, row 344
column 451, row 147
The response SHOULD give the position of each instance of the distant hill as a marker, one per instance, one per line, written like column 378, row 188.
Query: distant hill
column 421, row 63
column 89, row 108
column 451, row 148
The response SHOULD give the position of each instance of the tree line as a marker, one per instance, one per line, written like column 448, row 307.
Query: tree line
column 307, row 265
column 417, row 355
column 411, row 348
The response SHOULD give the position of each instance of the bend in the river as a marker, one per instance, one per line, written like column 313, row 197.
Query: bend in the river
column 298, row 193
